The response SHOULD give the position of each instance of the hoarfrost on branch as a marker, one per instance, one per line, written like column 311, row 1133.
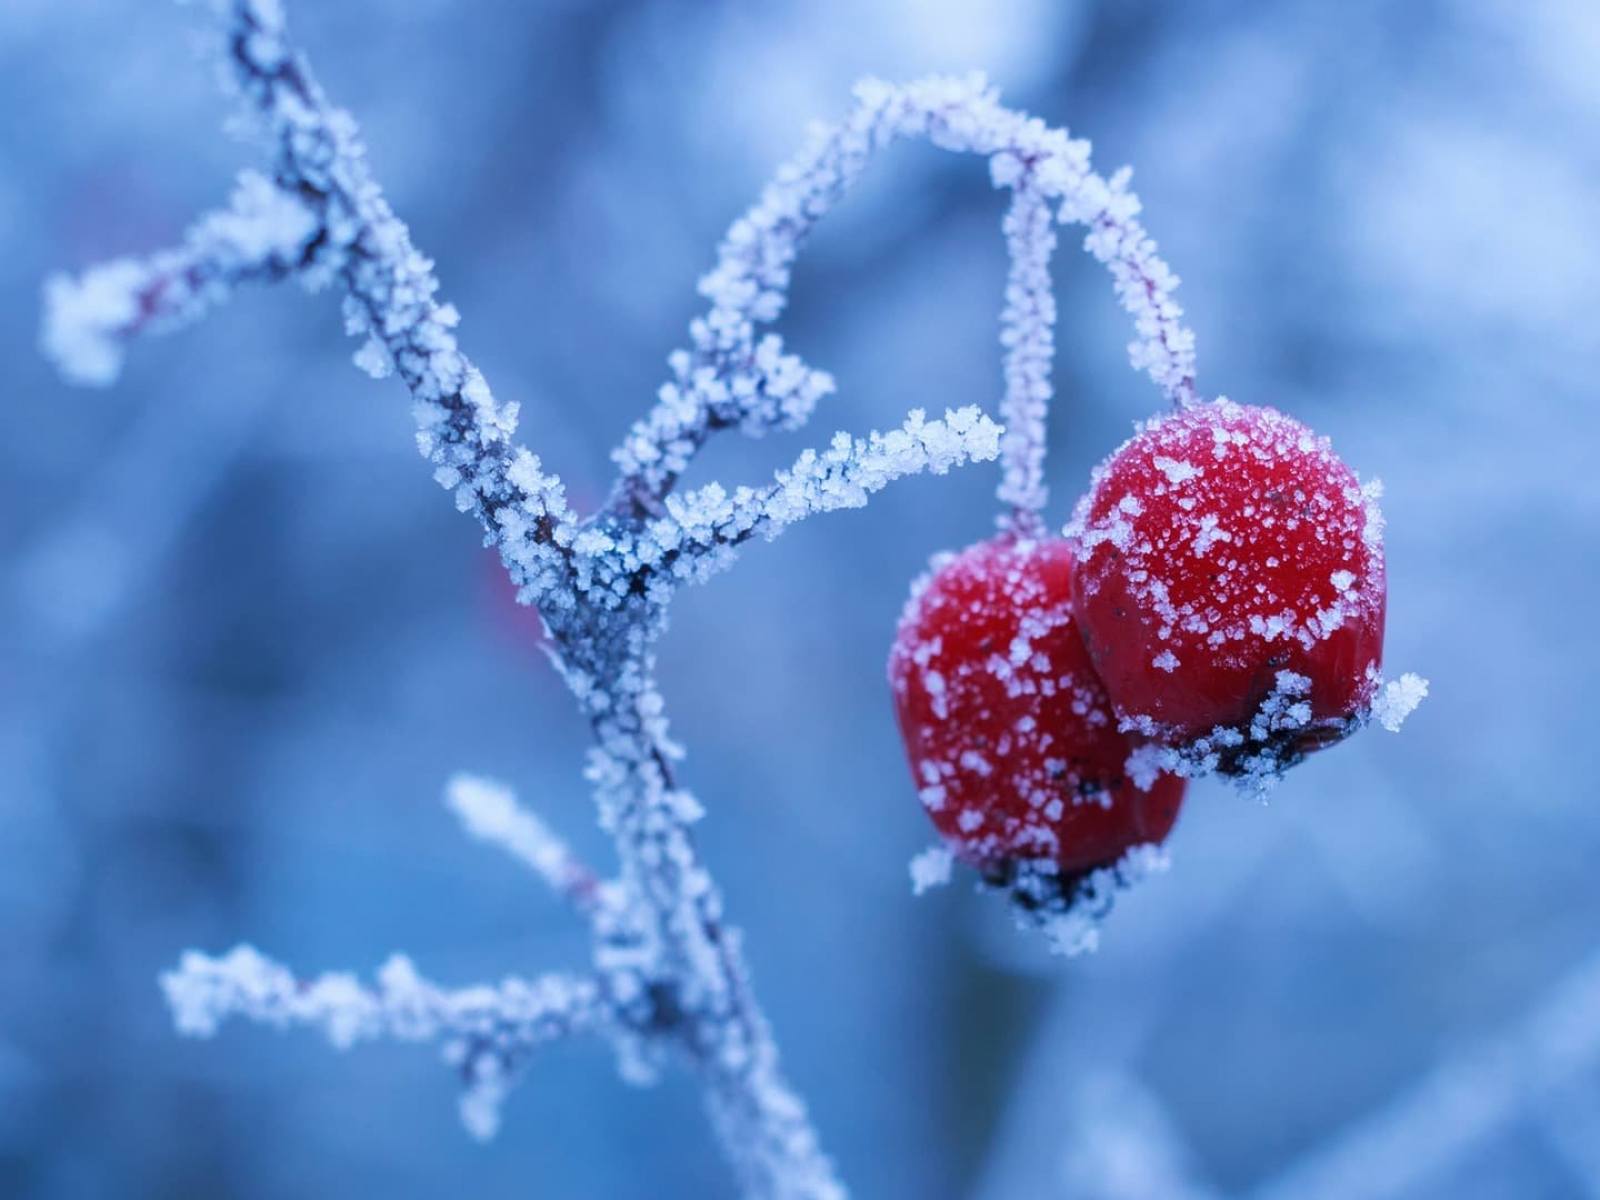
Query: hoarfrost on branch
column 668, row 975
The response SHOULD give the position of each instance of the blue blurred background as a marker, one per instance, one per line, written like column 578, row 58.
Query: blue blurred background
column 245, row 639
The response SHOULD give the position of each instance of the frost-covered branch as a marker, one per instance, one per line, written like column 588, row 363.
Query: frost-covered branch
column 1028, row 333
column 204, row 991
column 486, row 1031
column 708, row 524
column 670, row 975
column 264, row 235
column 490, row 812
column 728, row 378
column 324, row 219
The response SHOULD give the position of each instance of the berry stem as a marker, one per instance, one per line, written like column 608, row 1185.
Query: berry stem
column 1050, row 174
column 1027, row 331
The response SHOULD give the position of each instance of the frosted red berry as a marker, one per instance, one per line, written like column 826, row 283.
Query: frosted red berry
column 1011, row 738
column 1230, row 581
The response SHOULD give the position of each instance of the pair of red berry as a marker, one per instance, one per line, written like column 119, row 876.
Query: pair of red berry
column 1217, row 604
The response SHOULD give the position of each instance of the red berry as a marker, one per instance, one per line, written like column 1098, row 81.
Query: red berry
column 1010, row 735
column 1230, row 585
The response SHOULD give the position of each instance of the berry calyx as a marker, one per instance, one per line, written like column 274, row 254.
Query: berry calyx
column 1230, row 581
column 1011, row 738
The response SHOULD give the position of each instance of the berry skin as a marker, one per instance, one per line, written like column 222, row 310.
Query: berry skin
column 1010, row 735
column 1230, row 583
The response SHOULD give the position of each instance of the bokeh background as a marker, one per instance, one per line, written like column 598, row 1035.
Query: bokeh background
column 244, row 639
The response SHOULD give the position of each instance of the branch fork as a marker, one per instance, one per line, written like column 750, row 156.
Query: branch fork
column 668, row 974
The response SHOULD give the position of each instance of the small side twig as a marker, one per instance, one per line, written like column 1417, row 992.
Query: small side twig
column 486, row 1032
column 489, row 811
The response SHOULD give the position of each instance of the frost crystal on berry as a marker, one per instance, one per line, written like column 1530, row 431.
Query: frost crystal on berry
column 1009, row 733
column 1231, row 587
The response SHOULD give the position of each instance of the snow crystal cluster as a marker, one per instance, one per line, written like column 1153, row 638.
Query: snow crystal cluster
column 490, row 812
column 1253, row 756
column 931, row 868
column 266, row 233
column 1069, row 917
column 1398, row 700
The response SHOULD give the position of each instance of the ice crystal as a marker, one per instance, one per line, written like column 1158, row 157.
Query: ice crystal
column 1398, row 700
column 931, row 869
column 1068, row 910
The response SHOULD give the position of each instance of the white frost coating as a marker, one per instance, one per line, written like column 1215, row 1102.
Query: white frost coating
column 374, row 360
column 730, row 378
column 1175, row 471
column 1398, row 700
column 265, row 233
column 204, row 991
column 1255, row 757
column 1027, row 331
column 323, row 219
column 1147, row 761
column 486, row 1032
column 933, row 683
column 1285, row 708
column 489, row 811
column 931, row 868
column 485, row 1091
column 1071, row 923
column 1208, row 535
column 708, row 520
column 972, row 761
